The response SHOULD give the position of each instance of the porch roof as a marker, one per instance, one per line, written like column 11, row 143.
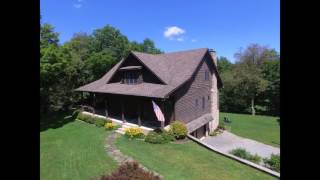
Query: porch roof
column 142, row 89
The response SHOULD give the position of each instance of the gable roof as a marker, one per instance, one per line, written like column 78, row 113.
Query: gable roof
column 173, row 69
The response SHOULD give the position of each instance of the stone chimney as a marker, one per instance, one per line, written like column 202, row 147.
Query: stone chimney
column 214, row 56
column 214, row 96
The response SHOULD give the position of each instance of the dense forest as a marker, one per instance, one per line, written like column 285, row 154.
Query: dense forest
column 251, row 85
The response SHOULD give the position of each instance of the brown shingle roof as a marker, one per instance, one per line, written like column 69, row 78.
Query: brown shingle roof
column 173, row 69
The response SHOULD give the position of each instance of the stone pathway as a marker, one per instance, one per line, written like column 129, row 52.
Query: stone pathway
column 116, row 154
column 227, row 141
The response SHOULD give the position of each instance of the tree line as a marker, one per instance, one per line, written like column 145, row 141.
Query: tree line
column 251, row 85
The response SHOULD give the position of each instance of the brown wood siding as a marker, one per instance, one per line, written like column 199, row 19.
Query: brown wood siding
column 197, row 88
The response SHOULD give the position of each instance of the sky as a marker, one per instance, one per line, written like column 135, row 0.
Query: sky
column 174, row 25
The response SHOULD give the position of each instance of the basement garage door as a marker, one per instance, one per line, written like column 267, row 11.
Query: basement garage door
column 200, row 132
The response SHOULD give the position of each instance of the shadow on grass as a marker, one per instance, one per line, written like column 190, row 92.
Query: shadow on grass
column 55, row 120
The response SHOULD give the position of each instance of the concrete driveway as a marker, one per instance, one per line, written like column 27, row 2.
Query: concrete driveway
column 227, row 141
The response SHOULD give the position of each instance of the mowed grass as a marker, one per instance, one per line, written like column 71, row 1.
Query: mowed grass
column 264, row 129
column 187, row 161
column 74, row 150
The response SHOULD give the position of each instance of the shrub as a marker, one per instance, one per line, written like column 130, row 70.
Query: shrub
column 99, row 121
column 213, row 133
column 108, row 121
column 222, row 126
column 84, row 117
column 167, row 136
column 242, row 153
column 178, row 130
column 154, row 138
column 75, row 113
column 131, row 170
column 109, row 126
column 273, row 162
column 90, row 119
column 134, row 132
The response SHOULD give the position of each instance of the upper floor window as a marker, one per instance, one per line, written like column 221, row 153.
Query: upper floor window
column 130, row 77
column 196, row 102
column 206, row 75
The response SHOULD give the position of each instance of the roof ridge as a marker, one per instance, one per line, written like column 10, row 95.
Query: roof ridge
column 182, row 51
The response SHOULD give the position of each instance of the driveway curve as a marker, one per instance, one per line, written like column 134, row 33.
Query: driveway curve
column 227, row 141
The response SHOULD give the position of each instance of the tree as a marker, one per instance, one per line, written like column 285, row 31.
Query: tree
column 224, row 64
column 248, row 69
column 48, row 36
column 149, row 47
column 110, row 39
column 271, row 72
column 79, row 46
column 99, row 63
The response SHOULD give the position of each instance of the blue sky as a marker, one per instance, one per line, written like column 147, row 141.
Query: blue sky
column 224, row 25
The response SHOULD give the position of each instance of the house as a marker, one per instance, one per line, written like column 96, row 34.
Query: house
column 183, row 84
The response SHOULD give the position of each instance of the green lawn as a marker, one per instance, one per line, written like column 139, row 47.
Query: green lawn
column 187, row 161
column 74, row 150
column 264, row 129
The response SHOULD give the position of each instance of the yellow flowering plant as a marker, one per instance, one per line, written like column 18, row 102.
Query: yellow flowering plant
column 109, row 125
column 134, row 132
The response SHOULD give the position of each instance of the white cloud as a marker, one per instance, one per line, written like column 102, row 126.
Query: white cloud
column 77, row 6
column 173, row 32
column 193, row 40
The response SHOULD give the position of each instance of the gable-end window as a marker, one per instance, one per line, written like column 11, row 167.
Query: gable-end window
column 203, row 103
column 206, row 75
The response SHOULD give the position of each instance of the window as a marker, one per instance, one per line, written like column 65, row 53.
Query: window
column 208, row 98
column 206, row 75
column 196, row 102
column 203, row 103
column 130, row 77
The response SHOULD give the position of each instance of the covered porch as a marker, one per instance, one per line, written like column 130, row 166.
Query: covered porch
column 137, row 110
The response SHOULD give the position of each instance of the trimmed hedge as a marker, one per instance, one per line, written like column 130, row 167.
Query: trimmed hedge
column 178, row 130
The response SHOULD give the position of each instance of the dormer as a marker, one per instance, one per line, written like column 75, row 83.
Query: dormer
column 131, row 74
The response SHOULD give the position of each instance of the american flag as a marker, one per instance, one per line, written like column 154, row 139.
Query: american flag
column 158, row 112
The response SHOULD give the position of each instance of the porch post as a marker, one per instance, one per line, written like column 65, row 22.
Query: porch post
column 106, row 107
column 139, row 112
column 94, row 103
column 122, row 111
column 82, row 99
column 162, row 106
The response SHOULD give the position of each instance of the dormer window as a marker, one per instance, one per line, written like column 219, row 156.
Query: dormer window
column 130, row 77
column 131, row 74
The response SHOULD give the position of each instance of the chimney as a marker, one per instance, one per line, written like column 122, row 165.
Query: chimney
column 214, row 56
